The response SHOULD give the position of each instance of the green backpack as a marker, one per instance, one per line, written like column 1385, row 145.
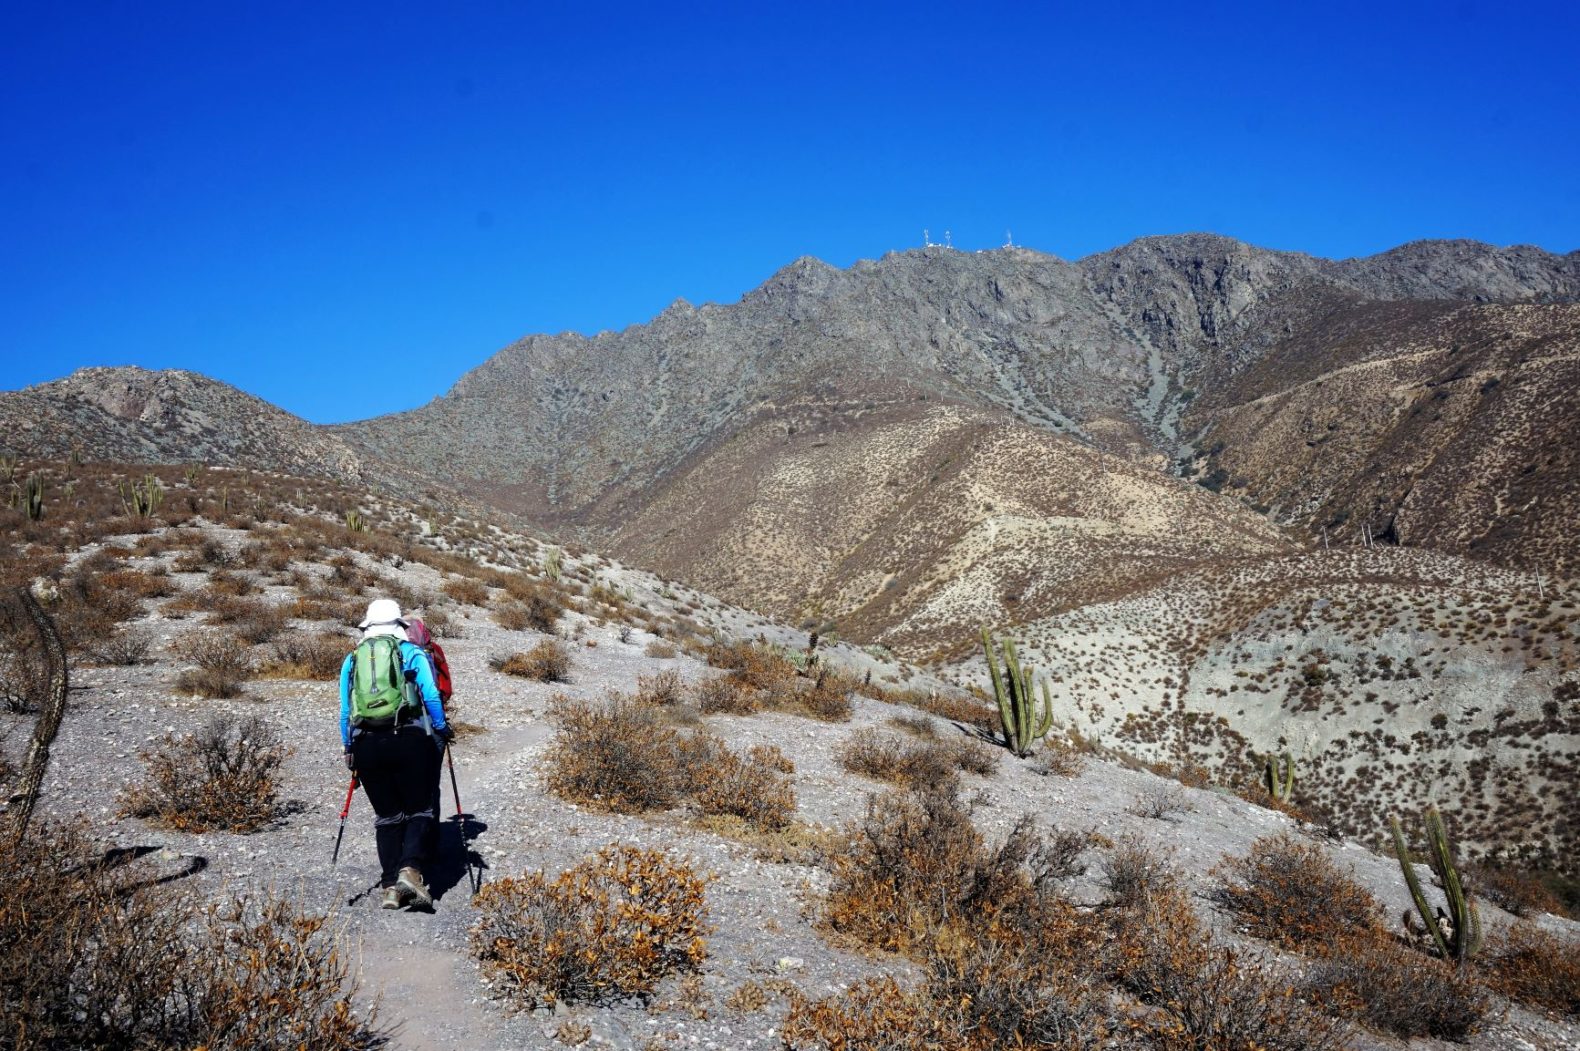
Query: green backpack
column 378, row 684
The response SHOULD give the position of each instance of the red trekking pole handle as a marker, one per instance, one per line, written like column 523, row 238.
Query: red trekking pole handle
column 350, row 791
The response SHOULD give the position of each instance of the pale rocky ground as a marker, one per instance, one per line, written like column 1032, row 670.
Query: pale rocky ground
column 429, row 984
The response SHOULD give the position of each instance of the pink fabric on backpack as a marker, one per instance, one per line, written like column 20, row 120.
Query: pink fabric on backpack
column 417, row 631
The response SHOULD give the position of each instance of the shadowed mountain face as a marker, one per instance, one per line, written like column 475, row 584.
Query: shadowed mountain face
column 869, row 445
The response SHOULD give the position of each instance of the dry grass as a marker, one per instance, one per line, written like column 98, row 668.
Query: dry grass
column 86, row 961
column 608, row 928
column 466, row 591
column 548, row 661
column 221, row 777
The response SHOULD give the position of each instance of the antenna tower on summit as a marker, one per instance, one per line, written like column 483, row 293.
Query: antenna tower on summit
column 927, row 239
column 1009, row 240
column 947, row 242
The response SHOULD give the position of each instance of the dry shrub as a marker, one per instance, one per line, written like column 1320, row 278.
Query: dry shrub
column 202, row 554
column 664, row 688
column 882, row 757
column 748, row 998
column 1134, row 873
column 1533, row 967
column 607, row 928
column 875, row 1014
column 1206, row 996
column 258, row 623
column 1161, row 802
column 1019, row 979
column 153, row 582
column 1291, row 893
column 761, row 667
column 300, row 656
column 124, row 647
column 1395, row 989
column 914, row 865
column 529, row 606
column 466, row 591
column 722, row 694
column 236, row 585
column 221, row 777
column 89, row 961
column 915, row 725
column 307, row 607
column 660, row 649
column 223, row 664
column 828, row 699
column 770, row 756
column 1514, row 890
column 440, row 624
column 548, row 661
column 752, row 787
column 614, row 756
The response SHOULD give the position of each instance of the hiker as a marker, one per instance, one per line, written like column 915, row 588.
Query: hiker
column 386, row 690
column 417, row 633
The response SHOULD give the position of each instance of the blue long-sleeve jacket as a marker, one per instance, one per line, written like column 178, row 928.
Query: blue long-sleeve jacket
column 412, row 659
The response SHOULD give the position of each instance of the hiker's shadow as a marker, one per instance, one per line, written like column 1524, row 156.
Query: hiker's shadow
column 457, row 858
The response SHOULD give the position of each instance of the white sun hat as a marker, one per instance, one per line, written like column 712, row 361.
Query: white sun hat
column 382, row 611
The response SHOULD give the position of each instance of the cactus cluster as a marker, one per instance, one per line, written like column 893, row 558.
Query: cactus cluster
column 355, row 522
column 1462, row 938
column 1023, row 720
column 143, row 497
column 1278, row 773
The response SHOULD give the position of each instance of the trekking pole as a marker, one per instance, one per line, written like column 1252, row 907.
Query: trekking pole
column 466, row 852
column 454, row 791
column 345, row 810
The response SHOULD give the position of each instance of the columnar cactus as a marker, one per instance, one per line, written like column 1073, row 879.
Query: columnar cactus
column 355, row 522
column 1023, row 720
column 142, row 498
column 33, row 498
column 1281, row 788
column 1463, row 937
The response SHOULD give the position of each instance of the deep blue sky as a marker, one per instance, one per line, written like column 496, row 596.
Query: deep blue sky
column 341, row 208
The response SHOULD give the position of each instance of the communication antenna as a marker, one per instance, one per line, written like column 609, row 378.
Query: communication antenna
column 1009, row 239
column 927, row 239
column 947, row 242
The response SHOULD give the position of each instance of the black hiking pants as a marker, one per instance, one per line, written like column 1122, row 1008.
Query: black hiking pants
column 398, row 769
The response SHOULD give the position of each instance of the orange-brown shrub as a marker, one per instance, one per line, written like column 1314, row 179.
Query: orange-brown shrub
column 752, row 788
column 660, row 649
column 529, row 605
column 664, row 688
column 466, row 591
column 220, row 777
column 1514, row 890
column 1206, row 995
column 610, row 927
column 88, row 960
column 1289, row 892
column 828, row 699
column 1134, row 873
column 885, row 758
column 153, row 582
column 614, row 756
column 1531, row 966
column 758, row 666
column 722, row 694
column 915, row 864
column 548, row 661
column 1395, row 989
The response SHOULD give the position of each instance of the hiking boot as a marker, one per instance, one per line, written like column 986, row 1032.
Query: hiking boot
column 392, row 898
column 410, row 881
